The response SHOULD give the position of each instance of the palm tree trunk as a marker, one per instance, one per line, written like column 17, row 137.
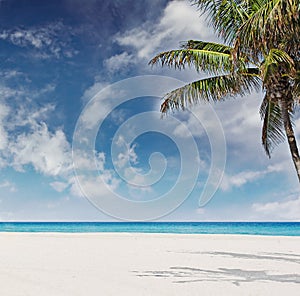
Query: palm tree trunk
column 290, row 135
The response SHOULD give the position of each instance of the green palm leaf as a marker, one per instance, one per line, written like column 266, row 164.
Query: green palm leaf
column 274, row 23
column 210, row 89
column 225, row 16
column 204, row 59
column 210, row 46
column 277, row 58
column 272, row 130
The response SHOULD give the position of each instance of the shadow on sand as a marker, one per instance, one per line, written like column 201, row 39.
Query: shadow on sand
column 183, row 274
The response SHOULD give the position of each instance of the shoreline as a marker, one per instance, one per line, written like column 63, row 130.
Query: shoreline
column 78, row 264
column 176, row 235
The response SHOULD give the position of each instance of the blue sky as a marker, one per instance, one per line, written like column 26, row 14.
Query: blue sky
column 69, row 79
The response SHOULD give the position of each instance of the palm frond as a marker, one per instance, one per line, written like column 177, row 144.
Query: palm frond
column 225, row 16
column 210, row 89
column 296, row 88
column 210, row 46
column 273, row 24
column 272, row 130
column 277, row 58
column 205, row 59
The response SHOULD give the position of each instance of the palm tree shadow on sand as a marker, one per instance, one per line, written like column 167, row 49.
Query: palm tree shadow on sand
column 185, row 274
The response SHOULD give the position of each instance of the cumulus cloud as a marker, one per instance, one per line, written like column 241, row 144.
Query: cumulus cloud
column 179, row 22
column 146, row 40
column 21, row 118
column 48, row 152
column 119, row 62
column 46, row 149
column 25, row 137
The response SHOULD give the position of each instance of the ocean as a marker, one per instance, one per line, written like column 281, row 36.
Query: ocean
column 248, row 228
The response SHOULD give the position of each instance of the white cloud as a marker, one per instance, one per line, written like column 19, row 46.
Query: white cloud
column 7, row 92
column 8, row 74
column 195, row 123
column 50, row 40
column 89, row 162
column 287, row 209
column 127, row 156
column 100, row 106
column 47, row 152
column 22, row 117
column 75, row 189
column 24, row 135
column 139, row 193
column 90, row 92
column 242, row 178
column 240, row 119
column 4, row 111
column 93, row 186
column 242, row 126
column 179, row 22
column 119, row 62
column 149, row 39
column 59, row 186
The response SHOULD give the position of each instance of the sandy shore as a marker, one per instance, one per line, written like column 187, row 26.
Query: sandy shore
column 148, row 264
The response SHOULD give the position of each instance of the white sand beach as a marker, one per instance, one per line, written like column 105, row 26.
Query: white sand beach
column 53, row 264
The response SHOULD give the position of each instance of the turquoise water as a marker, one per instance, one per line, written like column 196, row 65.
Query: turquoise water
column 252, row 228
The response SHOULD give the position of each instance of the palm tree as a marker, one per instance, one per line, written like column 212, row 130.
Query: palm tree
column 261, row 50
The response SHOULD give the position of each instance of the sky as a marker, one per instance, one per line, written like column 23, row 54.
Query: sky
column 81, row 136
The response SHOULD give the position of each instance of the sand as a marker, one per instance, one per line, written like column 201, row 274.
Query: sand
column 148, row 264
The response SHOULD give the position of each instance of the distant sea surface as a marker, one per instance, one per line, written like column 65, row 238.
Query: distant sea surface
column 251, row 228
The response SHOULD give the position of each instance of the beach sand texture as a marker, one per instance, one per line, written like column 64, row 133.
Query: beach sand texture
column 54, row 264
